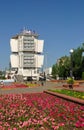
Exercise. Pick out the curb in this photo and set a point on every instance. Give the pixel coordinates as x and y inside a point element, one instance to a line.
<point>69,98</point>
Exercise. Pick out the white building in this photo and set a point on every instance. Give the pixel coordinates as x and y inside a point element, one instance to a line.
<point>26,54</point>
<point>48,71</point>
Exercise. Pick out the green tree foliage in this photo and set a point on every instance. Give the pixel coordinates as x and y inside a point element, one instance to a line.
<point>2,75</point>
<point>82,75</point>
<point>63,65</point>
<point>54,71</point>
<point>78,62</point>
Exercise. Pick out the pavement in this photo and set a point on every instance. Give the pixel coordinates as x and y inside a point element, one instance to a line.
<point>46,85</point>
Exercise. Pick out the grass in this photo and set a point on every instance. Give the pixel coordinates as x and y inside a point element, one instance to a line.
<point>72,93</point>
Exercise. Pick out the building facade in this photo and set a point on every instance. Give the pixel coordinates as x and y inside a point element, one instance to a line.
<point>26,54</point>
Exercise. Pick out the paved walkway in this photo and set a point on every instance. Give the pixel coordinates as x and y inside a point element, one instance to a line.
<point>46,86</point>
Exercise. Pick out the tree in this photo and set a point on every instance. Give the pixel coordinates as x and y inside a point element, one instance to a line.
<point>64,67</point>
<point>54,71</point>
<point>77,62</point>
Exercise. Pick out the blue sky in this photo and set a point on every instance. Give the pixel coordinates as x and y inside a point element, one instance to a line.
<point>59,22</point>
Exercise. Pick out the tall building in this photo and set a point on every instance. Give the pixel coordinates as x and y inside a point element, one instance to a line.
<point>26,54</point>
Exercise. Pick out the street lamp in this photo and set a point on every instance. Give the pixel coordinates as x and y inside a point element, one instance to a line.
<point>45,65</point>
<point>71,68</point>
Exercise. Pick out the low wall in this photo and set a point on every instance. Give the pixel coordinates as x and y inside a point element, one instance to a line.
<point>74,85</point>
<point>69,98</point>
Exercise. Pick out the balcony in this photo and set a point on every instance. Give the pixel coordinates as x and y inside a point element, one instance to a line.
<point>28,48</point>
<point>29,62</point>
<point>29,65</point>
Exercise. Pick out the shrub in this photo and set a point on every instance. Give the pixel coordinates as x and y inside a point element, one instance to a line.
<point>70,80</point>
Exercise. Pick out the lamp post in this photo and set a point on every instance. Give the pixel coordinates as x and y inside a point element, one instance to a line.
<point>45,66</point>
<point>46,63</point>
<point>71,67</point>
<point>70,80</point>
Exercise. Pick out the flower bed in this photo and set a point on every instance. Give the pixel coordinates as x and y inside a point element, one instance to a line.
<point>72,93</point>
<point>39,111</point>
<point>19,85</point>
<point>14,85</point>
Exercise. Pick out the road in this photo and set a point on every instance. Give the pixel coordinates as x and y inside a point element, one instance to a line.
<point>41,88</point>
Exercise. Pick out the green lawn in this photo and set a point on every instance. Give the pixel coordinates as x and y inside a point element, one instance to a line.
<point>70,93</point>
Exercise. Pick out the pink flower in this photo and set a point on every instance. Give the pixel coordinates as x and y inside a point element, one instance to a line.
<point>29,110</point>
<point>1,127</point>
<point>56,127</point>
<point>45,119</point>
<point>78,124</point>
<point>61,124</point>
<point>25,123</point>
<point>14,128</point>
